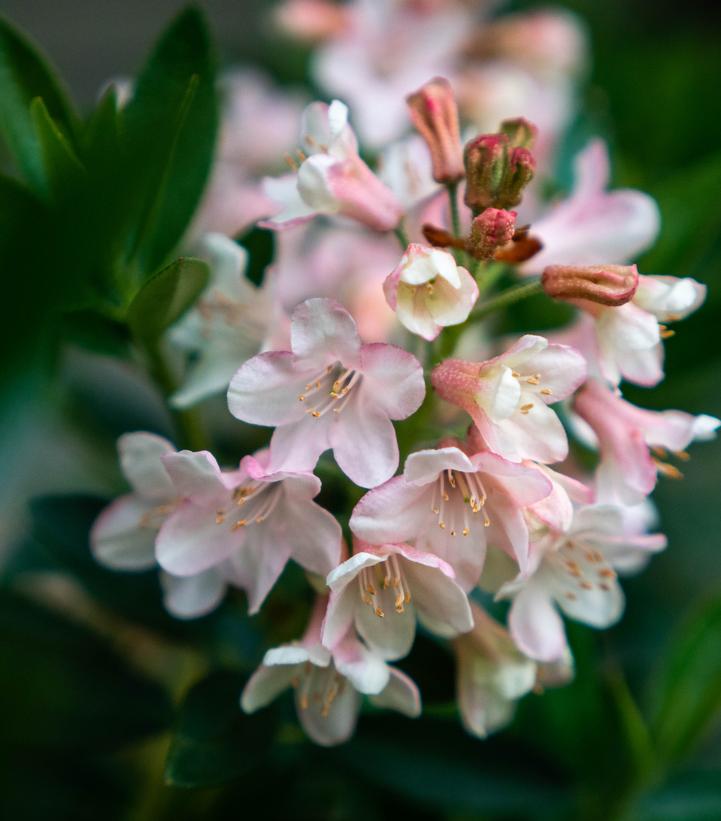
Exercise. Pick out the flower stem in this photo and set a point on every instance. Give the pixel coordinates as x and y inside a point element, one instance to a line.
<point>453,203</point>
<point>506,298</point>
<point>188,425</point>
<point>400,232</point>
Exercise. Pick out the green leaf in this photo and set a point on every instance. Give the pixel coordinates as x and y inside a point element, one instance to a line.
<point>25,75</point>
<point>214,740</point>
<point>166,297</point>
<point>169,129</point>
<point>96,333</point>
<point>62,169</point>
<point>690,796</point>
<point>686,690</point>
<point>67,688</point>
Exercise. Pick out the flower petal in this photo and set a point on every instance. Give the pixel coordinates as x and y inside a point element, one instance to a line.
<point>441,603</point>
<point>140,459</point>
<point>118,538</point>
<point>196,475</point>
<point>190,597</point>
<point>393,512</point>
<point>394,378</point>
<point>535,624</point>
<point>400,694</point>
<point>322,331</point>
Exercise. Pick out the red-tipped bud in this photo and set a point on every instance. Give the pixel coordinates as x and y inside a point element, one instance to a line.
<point>434,113</point>
<point>496,172</point>
<point>520,132</point>
<point>490,231</point>
<point>612,285</point>
<point>485,159</point>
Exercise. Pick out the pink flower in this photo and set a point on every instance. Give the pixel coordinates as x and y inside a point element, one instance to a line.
<point>492,674</point>
<point>429,291</point>
<point>382,589</point>
<point>329,685</point>
<point>123,536</point>
<point>626,436</point>
<point>593,225</point>
<point>331,177</point>
<point>508,396</point>
<point>576,573</point>
<point>626,341</point>
<point>450,504</point>
<point>330,391</point>
<point>229,323</point>
<point>251,521</point>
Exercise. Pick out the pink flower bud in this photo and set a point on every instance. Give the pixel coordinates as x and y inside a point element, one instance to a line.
<point>491,230</point>
<point>457,381</point>
<point>434,113</point>
<point>603,284</point>
<point>520,132</point>
<point>496,171</point>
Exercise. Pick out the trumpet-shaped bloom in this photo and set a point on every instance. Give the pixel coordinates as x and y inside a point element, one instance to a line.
<point>330,391</point>
<point>576,572</point>
<point>634,441</point>
<point>507,397</point>
<point>329,685</point>
<point>428,291</point>
<point>228,324</point>
<point>382,589</point>
<point>492,674</point>
<point>250,521</point>
<point>331,177</point>
<point>451,504</point>
<point>594,225</point>
<point>123,536</point>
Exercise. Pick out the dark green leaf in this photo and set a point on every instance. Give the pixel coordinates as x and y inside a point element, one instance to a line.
<point>214,740</point>
<point>166,297</point>
<point>692,796</point>
<point>67,688</point>
<point>96,333</point>
<point>25,75</point>
<point>62,169</point>
<point>170,127</point>
<point>686,690</point>
<point>260,245</point>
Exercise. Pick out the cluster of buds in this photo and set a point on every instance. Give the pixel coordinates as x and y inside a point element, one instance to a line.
<point>499,166</point>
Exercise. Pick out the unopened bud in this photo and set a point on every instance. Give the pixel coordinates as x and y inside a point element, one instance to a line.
<point>520,132</point>
<point>496,172</point>
<point>485,158</point>
<point>434,113</point>
<point>611,285</point>
<point>490,231</point>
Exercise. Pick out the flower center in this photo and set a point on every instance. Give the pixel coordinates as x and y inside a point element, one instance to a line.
<point>318,686</point>
<point>329,390</point>
<point>252,504</point>
<point>453,487</point>
<point>582,567</point>
<point>384,584</point>
<point>534,380</point>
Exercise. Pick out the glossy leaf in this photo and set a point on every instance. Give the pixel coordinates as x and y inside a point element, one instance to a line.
<point>25,75</point>
<point>214,741</point>
<point>166,297</point>
<point>62,169</point>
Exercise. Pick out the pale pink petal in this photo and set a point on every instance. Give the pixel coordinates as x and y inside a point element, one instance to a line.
<point>449,305</point>
<point>338,725</point>
<point>441,603</point>
<point>364,441</point>
<point>598,607</point>
<point>365,670</point>
<point>425,466</point>
<point>413,312</point>
<point>400,694</point>
<point>535,624</point>
<point>195,475</point>
<point>562,370</point>
<point>312,534</point>
<point>669,298</point>
<point>265,390</point>
<point>140,459</point>
<point>537,435</point>
<point>190,541</point>
<point>323,331</point>
<point>257,563</point>
<point>266,684</point>
<point>394,377</point>
<point>189,597</point>
<point>390,635</point>
<point>120,540</point>
<point>393,512</point>
<point>297,446</point>
<point>291,209</point>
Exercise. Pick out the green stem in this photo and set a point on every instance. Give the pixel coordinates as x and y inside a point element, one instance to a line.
<point>400,232</point>
<point>453,202</point>
<point>187,422</point>
<point>506,298</point>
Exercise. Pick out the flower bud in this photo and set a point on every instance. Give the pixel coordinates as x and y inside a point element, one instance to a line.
<point>520,132</point>
<point>491,230</point>
<point>496,171</point>
<point>434,113</point>
<point>485,158</point>
<point>611,285</point>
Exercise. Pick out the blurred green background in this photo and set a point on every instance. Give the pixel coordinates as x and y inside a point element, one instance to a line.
<point>87,723</point>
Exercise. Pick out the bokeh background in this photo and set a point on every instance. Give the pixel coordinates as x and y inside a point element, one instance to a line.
<point>86,726</point>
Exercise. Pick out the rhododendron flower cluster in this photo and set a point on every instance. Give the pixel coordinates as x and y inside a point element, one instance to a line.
<point>427,471</point>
